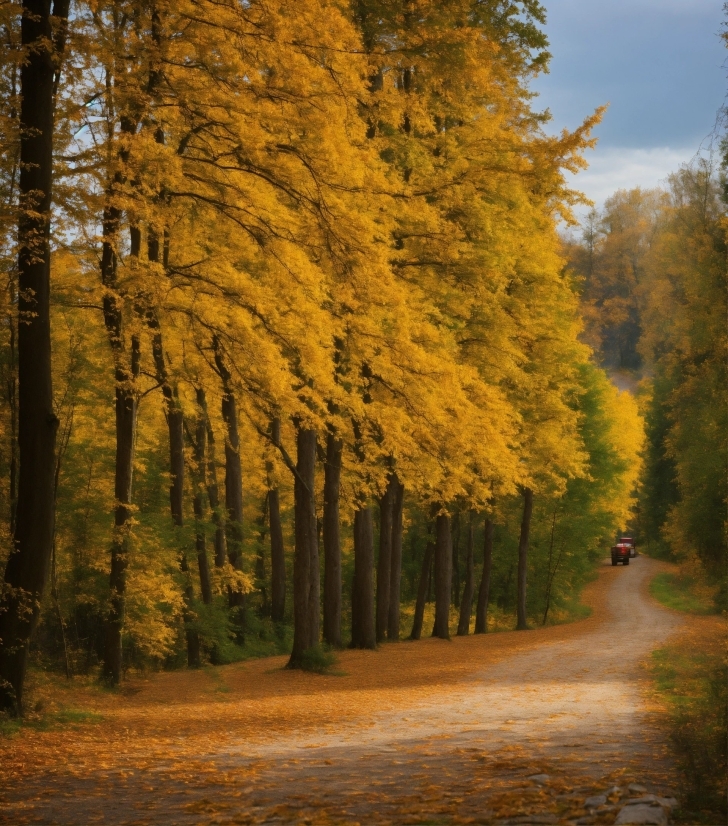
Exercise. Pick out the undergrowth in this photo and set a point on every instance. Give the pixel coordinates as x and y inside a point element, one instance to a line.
<point>40,720</point>
<point>319,659</point>
<point>692,680</point>
<point>683,592</point>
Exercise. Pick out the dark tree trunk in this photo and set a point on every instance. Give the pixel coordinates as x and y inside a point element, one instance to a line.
<point>126,412</point>
<point>396,568</point>
<point>260,572</point>
<point>466,605</point>
<point>304,636</point>
<point>523,558</point>
<point>233,472</point>
<point>277,550</point>
<point>363,632</point>
<point>213,493</point>
<point>200,451</point>
<point>27,566</point>
<point>424,587</point>
<point>443,577</point>
<point>384,563</point>
<point>455,534</point>
<point>481,613</point>
<point>332,542</point>
<point>12,400</point>
<point>277,558</point>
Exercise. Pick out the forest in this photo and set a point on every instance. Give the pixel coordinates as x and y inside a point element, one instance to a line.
<point>302,347</point>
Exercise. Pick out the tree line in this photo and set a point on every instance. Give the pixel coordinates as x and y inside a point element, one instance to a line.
<point>289,274</point>
<point>655,303</point>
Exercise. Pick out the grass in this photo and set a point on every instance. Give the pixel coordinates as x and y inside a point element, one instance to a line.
<point>43,721</point>
<point>691,678</point>
<point>682,592</point>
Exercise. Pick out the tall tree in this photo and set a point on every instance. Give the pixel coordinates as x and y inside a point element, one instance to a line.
<point>27,567</point>
<point>481,612</point>
<point>332,541</point>
<point>443,576</point>
<point>466,604</point>
<point>396,563</point>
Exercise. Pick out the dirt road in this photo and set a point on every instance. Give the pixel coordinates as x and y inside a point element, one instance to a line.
<point>416,732</point>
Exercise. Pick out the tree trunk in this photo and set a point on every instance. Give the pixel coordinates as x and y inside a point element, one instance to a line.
<point>523,558</point>
<point>481,614</point>
<point>126,415</point>
<point>233,472</point>
<point>306,539</point>
<point>277,558</point>
<point>213,493</point>
<point>200,451</point>
<point>363,632</point>
<point>384,563</point>
<point>260,572</point>
<point>27,566</point>
<point>396,567</point>
<point>332,542</point>
<point>443,577</point>
<point>466,605</point>
<point>455,534</point>
<point>126,412</point>
<point>424,587</point>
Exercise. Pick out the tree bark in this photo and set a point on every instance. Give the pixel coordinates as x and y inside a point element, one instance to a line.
<point>27,566</point>
<point>396,567</point>
<point>443,577</point>
<point>424,587</point>
<point>277,549</point>
<point>523,558</point>
<point>455,534</point>
<point>363,632</point>
<point>384,562</point>
<point>278,558</point>
<point>466,606</point>
<point>126,399</point>
<point>481,614</point>
<point>304,636</point>
<point>213,493</point>
<point>233,472</point>
<point>332,542</point>
<point>200,451</point>
<point>126,413</point>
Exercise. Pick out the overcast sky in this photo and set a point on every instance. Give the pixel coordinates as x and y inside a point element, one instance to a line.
<point>659,65</point>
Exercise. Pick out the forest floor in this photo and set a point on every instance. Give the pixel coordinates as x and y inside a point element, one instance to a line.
<point>512,727</point>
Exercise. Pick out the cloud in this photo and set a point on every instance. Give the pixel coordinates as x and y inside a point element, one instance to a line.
<point>616,168</point>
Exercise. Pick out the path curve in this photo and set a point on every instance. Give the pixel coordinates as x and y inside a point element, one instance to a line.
<point>568,702</point>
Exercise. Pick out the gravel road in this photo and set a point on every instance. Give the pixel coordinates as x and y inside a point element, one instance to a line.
<point>567,709</point>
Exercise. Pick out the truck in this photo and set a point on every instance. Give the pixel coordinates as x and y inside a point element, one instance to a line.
<point>627,540</point>
<point>620,553</point>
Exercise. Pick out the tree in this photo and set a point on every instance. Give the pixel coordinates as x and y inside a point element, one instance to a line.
<point>42,39</point>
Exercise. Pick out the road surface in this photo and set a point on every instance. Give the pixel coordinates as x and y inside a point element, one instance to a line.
<point>415,732</point>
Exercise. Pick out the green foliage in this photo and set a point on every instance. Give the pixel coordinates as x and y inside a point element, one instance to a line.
<point>682,593</point>
<point>44,721</point>
<point>319,659</point>
<point>694,684</point>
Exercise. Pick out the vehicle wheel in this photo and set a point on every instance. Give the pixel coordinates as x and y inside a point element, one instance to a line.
<point>626,561</point>
<point>614,562</point>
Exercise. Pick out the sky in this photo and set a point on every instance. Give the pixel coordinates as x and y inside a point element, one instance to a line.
<point>659,64</point>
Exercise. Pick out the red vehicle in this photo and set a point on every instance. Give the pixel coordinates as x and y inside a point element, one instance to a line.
<point>627,540</point>
<point>621,553</point>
